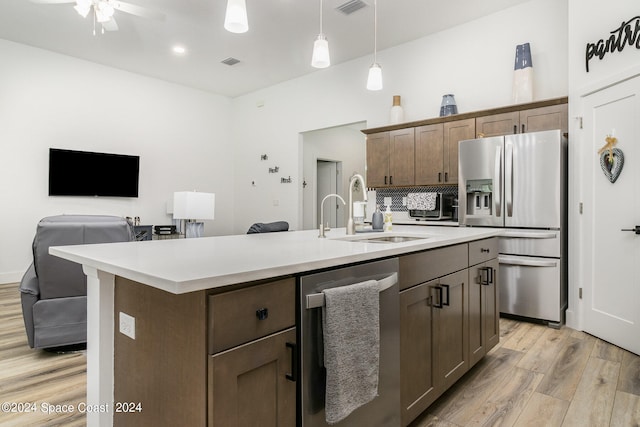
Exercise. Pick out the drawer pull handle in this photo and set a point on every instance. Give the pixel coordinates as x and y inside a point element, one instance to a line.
<point>262,313</point>
<point>483,250</point>
<point>294,368</point>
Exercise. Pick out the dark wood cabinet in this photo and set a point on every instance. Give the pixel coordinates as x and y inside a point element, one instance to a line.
<point>390,158</point>
<point>447,323</point>
<point>484,331</point>
<point>249,384</point>
<point>455,132</point>
<point>417,361</point>
<point>378,160</point>
<point>527,120</point>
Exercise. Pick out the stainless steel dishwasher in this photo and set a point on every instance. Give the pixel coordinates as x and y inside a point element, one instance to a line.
<point>383,410</point>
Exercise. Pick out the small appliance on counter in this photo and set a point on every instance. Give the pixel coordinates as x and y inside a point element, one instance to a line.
<point>430,206</point>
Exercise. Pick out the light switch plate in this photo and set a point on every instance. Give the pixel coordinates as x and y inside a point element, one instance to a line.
<point>127,325</point>
<point>387,201</point>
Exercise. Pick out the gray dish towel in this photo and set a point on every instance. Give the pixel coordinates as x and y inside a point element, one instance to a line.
<point>351,332</point>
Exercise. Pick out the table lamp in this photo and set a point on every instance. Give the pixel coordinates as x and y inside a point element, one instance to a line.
<point>191,206</point>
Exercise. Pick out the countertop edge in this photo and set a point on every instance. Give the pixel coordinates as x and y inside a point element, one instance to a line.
<point>185,286</point>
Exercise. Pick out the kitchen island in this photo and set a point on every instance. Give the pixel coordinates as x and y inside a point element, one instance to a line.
<point>206,266</point>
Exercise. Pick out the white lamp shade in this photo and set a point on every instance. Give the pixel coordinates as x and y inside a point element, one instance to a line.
<point>193,205</point>
<point>235,19</point>
<point>320,57</point>
<point>374,81</point>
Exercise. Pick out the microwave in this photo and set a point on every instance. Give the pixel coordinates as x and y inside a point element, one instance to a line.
<point>442,209</point>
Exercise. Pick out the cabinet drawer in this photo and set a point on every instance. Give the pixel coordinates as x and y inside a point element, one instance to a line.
<point>424,266</point>
<point>240,316</point>
<point>483,250</point>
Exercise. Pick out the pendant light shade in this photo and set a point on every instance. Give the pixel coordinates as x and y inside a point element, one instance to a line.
<point>374,81</point>
<point>320,57</point>
<point>235,20</point>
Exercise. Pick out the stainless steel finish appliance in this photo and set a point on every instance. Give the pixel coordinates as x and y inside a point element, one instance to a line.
<point>519,182</point>
<point>384,410</point>
<point>443,209</point>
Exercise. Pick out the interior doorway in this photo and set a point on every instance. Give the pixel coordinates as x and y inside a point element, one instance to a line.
<point>344,146</point>
<point>329,182</point>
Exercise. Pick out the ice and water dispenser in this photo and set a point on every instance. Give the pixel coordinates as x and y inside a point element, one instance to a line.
<point>479,196</point>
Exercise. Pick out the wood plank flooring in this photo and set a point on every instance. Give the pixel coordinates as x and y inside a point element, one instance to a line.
<point>536,376</point>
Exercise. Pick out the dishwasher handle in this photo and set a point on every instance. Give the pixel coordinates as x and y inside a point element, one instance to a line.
<point>527,262</point>
<point>317,300</point>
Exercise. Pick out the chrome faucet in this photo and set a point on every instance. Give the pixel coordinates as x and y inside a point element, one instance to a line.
<point>351,229</point>
<point>321,227</point>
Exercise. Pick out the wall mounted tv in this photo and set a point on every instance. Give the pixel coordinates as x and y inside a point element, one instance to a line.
<point>83,173</point>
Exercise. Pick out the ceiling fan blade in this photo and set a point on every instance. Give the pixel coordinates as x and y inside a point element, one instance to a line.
<point>52,1</point>
<point>138,10</point>
<point>110,25</point>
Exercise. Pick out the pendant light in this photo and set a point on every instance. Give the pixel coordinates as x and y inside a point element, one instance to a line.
<point>235,20</point>
<point>320,57</point>
<point>374,81</point>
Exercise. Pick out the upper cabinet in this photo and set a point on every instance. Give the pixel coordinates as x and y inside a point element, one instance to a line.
<point>426,152</point>
<point>436,151</point>
<point>529,120</point>
<point>390,158</point>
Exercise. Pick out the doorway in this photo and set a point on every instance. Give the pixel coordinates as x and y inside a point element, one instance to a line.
<point>329,175</point>
<point>343,146</point>
<point>609,258</point>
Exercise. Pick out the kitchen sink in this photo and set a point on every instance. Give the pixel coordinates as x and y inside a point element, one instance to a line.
<point>395,238</point>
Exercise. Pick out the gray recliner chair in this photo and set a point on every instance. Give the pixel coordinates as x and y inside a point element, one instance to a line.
<point>53,290</point>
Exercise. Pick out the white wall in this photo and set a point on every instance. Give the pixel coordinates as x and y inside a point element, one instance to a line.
<point>473,61</point>
<point>48,100</point>
<point>343,143</point>
<point>591,20</point>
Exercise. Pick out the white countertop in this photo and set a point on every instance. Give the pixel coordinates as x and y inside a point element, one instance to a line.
<point>186,265</point>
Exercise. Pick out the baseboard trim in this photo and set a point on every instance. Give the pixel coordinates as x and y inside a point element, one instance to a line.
<point>11,277</point>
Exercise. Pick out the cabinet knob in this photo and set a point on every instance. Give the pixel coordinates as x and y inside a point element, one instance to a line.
<point>262,313</point>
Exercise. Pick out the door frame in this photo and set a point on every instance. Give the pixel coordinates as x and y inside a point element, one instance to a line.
<point>577,227</point>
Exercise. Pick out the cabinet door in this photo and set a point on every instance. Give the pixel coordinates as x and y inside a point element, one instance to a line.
<point>248,385</point>
<point>401,157</point>
<point>545,118</point>
<point>451,329</point>
<point>484,331</point>
<point>378,159</point>
<point>429,154</point>
<point>417,386</point>
<point>455,132</point>
<point>497,124</point>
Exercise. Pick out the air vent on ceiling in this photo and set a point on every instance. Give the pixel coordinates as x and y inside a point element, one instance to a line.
<point>230,61</point>
<point>351,6</point>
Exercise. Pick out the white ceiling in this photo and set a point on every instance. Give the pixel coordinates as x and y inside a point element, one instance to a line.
<point>276,48</point>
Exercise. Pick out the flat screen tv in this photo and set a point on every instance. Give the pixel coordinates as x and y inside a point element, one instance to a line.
<point>83,173</point>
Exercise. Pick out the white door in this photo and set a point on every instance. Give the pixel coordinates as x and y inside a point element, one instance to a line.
<point>611,257</point>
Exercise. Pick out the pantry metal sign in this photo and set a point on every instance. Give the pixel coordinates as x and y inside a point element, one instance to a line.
<point>627,34</point>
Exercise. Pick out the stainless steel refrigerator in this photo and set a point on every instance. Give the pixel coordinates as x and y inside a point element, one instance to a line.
<point>519,182</point>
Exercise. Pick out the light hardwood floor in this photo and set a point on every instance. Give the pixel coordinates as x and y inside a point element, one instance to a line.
<point>536,376</point>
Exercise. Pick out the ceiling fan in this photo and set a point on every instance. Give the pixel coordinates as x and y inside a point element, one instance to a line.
<point>103,11</point>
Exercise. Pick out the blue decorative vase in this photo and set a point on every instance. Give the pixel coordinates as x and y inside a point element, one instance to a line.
<point>448,106</point>
<point>523,75</point>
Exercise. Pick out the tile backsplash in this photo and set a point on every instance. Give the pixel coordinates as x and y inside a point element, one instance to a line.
<point>397,194</point>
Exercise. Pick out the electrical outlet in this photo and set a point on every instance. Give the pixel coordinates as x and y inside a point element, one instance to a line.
<point>387,201</point>
<point>404,201</point>
<point>276,202</point>
<point>127,325</point>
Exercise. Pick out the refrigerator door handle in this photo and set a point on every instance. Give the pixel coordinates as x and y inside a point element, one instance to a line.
<point>508,180</point>
<point>525,235</point>
<point>527,263</point>
<point>497,179</point>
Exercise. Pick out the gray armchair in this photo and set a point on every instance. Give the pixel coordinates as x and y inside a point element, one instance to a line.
<point>53,290</point>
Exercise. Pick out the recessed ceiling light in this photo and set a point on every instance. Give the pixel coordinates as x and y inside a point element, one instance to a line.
<point>179,50</point>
